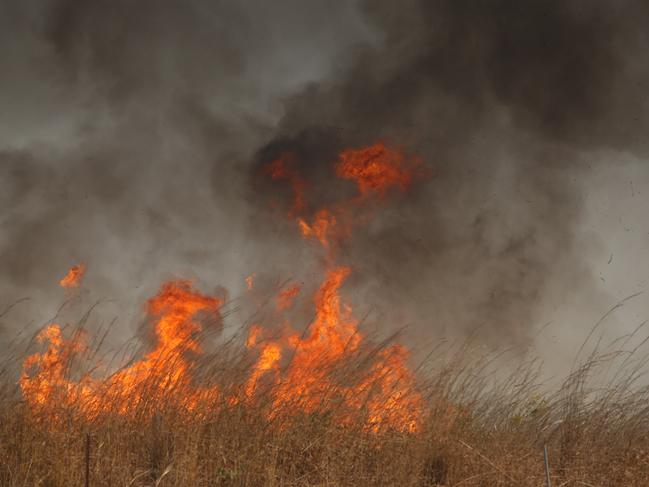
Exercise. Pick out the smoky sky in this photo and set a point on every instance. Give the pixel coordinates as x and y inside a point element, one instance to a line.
<point>132,135</point>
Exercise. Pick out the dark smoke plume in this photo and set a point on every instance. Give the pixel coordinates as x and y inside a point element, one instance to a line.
<point>505,100</point>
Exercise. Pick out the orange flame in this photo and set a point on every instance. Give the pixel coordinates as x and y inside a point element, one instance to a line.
<point>280,170</point>
<point>165,369</point>
<point>250,281</point>
<point>394,402</point>
<point>325,228</point>
<point>294,372</point>
<point>386,393</point>
<point>376,169</point>
<point>286,296</point>
<point>269,358</point>
<point>50,385</point>
<point>73,277</point>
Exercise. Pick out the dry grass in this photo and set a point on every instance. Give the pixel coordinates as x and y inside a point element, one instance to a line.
<point>481,429</point>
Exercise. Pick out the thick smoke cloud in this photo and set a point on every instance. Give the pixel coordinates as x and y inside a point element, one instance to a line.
<point>125,134</point>
<point>506,101</point>
<point>132,135</point>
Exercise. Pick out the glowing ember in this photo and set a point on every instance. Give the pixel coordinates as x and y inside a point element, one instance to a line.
<point>73,277</point>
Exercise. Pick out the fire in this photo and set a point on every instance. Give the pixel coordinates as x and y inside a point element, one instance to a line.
<point>324,227</point>
<point>280,170</point>
<point>285,298</point>
<point>250,281</point>
<point>50,385</point>
<point>73,277</point>
<point>386,392</point>
<point>394,402</point>
<point>254,334</point>
<point>334,329</point>
<point>45,379</point>
<point>376,169</point>
<point>269,358</point>
<point>325,365</point>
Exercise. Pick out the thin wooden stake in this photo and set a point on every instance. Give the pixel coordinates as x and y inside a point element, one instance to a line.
<point>87,459</point>
<point>547,466</point>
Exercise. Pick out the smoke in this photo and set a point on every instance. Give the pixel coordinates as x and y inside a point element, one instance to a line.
<point>132,136</point>
<point>506,101</point>
<point>125,134</point>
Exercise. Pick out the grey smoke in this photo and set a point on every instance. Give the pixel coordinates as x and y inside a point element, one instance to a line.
<point>131,134</point>
<point>507,101</point>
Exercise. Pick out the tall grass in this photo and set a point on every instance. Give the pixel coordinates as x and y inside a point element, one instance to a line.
<point>481,427</point>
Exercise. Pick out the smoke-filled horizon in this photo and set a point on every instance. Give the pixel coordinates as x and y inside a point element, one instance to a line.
<point>132,136</point>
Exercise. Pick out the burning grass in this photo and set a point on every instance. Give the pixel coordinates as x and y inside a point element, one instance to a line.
<point>317,403</point>
<point>475,425</point>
